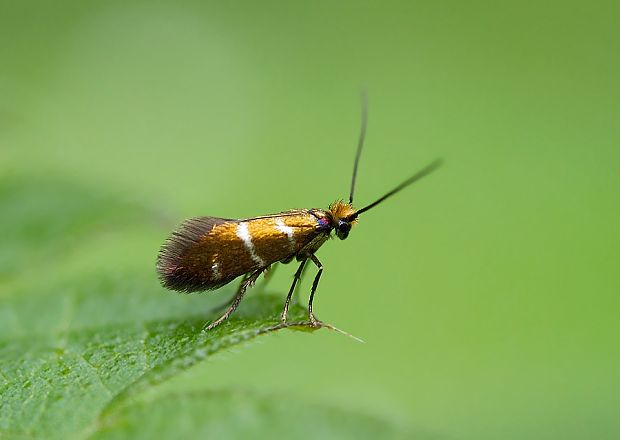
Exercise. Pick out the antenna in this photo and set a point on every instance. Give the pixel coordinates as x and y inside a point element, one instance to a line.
<point>417,176</point>
<point>360,142</point>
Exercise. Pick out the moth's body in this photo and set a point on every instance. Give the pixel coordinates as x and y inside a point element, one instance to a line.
<point>209,252</point>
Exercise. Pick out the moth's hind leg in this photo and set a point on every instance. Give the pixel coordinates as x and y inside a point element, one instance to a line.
<point>268,271</point>
<point>268,274</point>
<point>247,282</point>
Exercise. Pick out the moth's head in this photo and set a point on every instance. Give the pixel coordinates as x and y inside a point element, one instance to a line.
<point>343,217</point>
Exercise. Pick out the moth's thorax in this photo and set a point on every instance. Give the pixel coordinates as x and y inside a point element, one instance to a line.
<point>323,219</point>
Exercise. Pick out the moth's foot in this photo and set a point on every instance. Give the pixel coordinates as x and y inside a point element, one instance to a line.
<point>314,322</point>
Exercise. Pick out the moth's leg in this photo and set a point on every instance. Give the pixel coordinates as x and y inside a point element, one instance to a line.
<point>295,298</point>
<point>225,304</point>
<point>228,302</point>
<point>296,278</point>
<point>268,271</point>
<point>315,322</point>
<point>247,282</point>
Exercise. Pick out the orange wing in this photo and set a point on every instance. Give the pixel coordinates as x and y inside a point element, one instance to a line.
<point>207,252</point>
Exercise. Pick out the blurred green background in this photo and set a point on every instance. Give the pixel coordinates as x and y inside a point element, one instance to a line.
<point>487,294</point>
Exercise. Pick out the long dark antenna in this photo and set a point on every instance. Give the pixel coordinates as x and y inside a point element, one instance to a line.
<point>360,143</point>
<point>417,176</point>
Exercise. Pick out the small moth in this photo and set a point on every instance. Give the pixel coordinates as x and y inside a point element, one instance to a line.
<point>206,253</point>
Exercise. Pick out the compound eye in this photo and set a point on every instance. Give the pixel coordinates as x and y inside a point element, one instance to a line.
<point>342,230</point>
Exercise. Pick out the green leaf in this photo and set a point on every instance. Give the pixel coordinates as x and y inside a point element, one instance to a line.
<point>236,414</point>
<point>87,334</point>
<point>60,384</point>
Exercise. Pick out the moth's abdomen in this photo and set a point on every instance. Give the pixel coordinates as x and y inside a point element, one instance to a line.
<point>206,252</point>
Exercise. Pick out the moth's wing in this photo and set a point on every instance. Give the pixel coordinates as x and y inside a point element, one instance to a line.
<point>281,236</point>
<point>207,252</point>
<point>184,261</point>
<point>289,213</point>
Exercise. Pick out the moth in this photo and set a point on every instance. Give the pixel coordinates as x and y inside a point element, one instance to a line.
<point>206,253</point>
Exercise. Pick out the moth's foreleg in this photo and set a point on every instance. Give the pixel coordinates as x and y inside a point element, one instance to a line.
<point>315,322</point>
